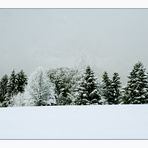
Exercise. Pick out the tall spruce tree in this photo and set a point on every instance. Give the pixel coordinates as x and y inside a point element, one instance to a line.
<point>12,83</point>
<point>11,89</point>
<point>136,91</point>
<point>88,89</point>
<point>107,91</point>
<point>21,81</point>
<point>116,86</point>
<point>111,89</point>
<point>3,89</point>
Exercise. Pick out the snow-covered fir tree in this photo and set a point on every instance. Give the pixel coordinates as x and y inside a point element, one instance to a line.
<point>116,86</point>
<point>12,83</point>
<point>106,93</point>
<point>3,90</point>
<point>110,93</point>
<point>64,80</point>
<point>40,89</point>
<point>136,91</point>
<point>21,81</point>
<point>11,89</point>
<point>16,84</point>
<point>87,91</point>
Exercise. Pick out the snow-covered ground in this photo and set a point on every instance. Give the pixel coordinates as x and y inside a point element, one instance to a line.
<point>75,122</point>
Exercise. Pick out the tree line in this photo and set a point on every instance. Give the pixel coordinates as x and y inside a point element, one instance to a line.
<point>65,86</point>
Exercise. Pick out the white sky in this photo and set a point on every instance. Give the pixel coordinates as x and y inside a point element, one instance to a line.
<point>109,39</point>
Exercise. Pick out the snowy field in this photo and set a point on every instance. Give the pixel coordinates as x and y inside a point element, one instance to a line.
<point>75,122</point>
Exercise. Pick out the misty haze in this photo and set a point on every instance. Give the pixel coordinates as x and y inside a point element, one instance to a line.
<point>110,40</point>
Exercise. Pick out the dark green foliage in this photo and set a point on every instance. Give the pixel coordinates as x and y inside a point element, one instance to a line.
<point>136,91</point>
<point>111,89</point>
<point>107,92</point>
<point>11,89</point>
<point>3,89</point>
<point>63,79</point>
<point>116,86</point>
<point>12,85</point>
<point>21,81</point>
<point>88,89</point>
<point>16,83</point>
<point>64,100</point>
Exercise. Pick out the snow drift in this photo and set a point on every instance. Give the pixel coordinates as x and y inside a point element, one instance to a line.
<point>75,122</point>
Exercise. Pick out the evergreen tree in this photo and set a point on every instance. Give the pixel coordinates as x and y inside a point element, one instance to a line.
<point>116,86</point>
<point>136,91</point>
<point>12,83</point>
<point>21,82</point>
<point>63,78</point>
<point>107,91</point>
<point>3,89</point>
<point>111,89</point>
<point>88,89</point>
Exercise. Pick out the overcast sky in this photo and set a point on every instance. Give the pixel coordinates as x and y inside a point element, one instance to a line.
<point>109,39</point>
